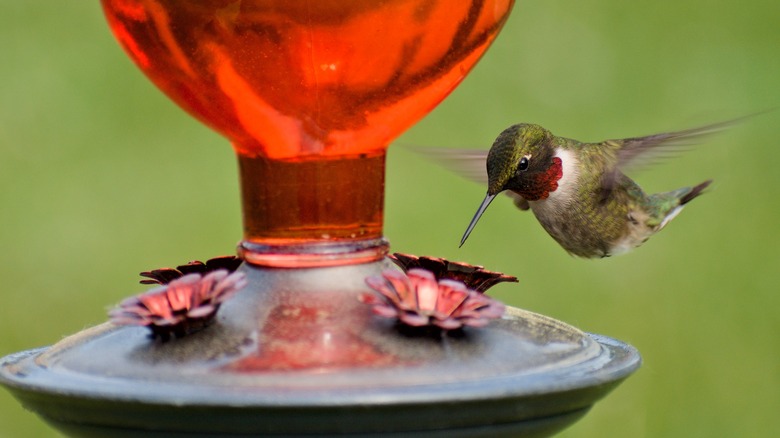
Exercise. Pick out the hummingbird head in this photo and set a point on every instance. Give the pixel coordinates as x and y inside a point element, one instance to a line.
<point>522,159</point>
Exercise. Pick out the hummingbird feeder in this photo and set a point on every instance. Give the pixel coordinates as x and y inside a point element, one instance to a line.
<point>282,345</point>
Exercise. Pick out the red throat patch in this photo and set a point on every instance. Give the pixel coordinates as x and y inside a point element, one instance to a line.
<point>545,182</point>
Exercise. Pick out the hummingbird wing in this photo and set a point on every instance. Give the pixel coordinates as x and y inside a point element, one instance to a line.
<point>638,151</point>
<point>470,164</point>
<point>632,153</point>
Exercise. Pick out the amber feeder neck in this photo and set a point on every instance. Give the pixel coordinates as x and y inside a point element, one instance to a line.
<point>318,211</point>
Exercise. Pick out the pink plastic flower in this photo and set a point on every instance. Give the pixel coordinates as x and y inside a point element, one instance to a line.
<point>417,299</point>
<point>183,306</point>
<point>473,276</point>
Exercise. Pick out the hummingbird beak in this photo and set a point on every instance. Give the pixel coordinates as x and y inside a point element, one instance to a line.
<point>485,202</point>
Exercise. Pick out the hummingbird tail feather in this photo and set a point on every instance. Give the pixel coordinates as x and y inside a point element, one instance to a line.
<point>696,191</point>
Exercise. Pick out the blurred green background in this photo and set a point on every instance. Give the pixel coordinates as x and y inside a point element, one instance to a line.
<point>102,177</point>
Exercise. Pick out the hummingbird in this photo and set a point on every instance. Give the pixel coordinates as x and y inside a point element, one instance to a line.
<point>577,190</point>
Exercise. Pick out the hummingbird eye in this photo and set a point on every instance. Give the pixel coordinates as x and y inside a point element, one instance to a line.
<point>523,164</point>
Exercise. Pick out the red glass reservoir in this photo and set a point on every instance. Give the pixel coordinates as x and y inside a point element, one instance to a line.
<point>310,93</point>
